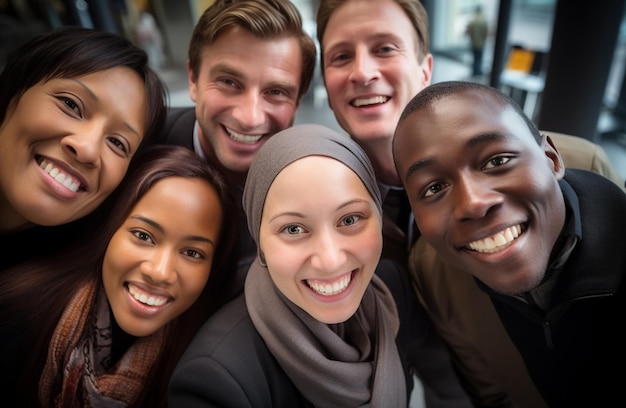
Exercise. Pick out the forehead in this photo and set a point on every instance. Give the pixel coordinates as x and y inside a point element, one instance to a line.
<point>357,20</point>
<point>467,112</point>
<point>315,179</point>
<point>234,44</point>
<point>196,196</point>
<point>460,126</point>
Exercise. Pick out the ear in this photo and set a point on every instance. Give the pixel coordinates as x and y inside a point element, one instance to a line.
<point>426,68</point>
<point>554,158</point>
<point>191,81</point>
<point>262,260</point>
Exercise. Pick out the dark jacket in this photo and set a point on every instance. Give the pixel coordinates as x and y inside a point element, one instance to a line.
<point>178,128</point>
<point>229,365</point>
<point>575,351</point>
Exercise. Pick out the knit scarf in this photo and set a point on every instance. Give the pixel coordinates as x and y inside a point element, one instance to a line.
<point>79,371</point>
<point>351,364</point>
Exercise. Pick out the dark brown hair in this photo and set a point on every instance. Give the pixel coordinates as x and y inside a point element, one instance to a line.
<point>68,52</point>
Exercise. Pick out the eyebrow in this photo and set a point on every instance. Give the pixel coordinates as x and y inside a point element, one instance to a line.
<point>94,96</point>
<point>160,228</point>
<point>297,214</point>
<point>474,142</point>
<point>223,68</point>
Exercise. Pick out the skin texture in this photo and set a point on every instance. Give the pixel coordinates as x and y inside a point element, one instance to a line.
<point>163,250</point>
<point>89,127</point>
<point>472,169</point>
<point>250,94</point>
<point>313,231</point>
<point>370,51</point>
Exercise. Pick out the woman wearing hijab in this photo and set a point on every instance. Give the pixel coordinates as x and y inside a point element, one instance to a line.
<point>319,322</point>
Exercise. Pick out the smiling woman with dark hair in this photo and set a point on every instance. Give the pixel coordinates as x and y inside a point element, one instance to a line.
<point>75,107</point>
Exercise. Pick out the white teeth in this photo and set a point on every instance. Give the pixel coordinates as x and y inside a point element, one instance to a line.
<point>247,139</point>
<point>144,298</point>
<point>65,179</point>
<point>497,241</point>
<point>327,289</point>
<point>374,100</point>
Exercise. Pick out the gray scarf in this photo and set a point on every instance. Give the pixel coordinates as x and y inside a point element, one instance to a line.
<point>351,364</point>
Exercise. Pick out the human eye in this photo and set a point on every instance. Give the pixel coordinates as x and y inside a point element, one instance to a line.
<point>70,104</point>
<point>385,49</point>
<point>228,82</point>
<point>143,236</point>
<point>350,220</point>
<point>193,253</point>
<point>433,189</point>
<point>292,229</point>
<point>119,144</point>
<point>339,58</point>
<point>496,161</point>
<point>277,92</point>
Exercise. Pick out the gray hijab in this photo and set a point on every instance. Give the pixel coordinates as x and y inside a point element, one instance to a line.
<point>351,364</point>
<point>292,144</point>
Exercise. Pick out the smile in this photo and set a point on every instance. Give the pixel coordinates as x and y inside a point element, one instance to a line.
<point>374,100</point>
<point>64,179</point>
<point>145,298</point>
<point>330,288</point>
<point>241,138</point>
<point>497,242</point>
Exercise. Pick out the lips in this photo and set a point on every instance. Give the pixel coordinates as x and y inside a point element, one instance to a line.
<point>372,100</point>
<point>63,177</point>
<point>146,298</point>
<point>333,288</point>
<point>498,241</point>
<point>241,138</point>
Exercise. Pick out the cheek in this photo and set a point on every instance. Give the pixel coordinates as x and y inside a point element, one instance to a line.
<point>333,81</point>
<point>193,283</point>
<point>113,173</point>
<point>283,262</point>
<point>430,224</point>
<point>117,257</point>
<point>283,115</point>
<point>367,246</point>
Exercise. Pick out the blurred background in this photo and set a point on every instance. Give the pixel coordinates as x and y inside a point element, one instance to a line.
<point>562,60</point>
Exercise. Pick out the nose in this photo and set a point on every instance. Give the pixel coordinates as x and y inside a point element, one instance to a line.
<point>160,266</point>
<point>328,251</point>
<point>249,111</point>
<point>364,68</point>
<point>474,198</point>
<point>85,146</point>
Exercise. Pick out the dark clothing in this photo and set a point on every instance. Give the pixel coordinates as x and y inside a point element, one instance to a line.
<point>399,229</point>
<point>477,61</point>
<point>178,130</point>
<point>228,364</point>
<point>575,350</point>
<point>19,247</point>
<point>399,234</point>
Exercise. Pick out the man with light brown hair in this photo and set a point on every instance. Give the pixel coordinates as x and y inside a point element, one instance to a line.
<point>249,65</point>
